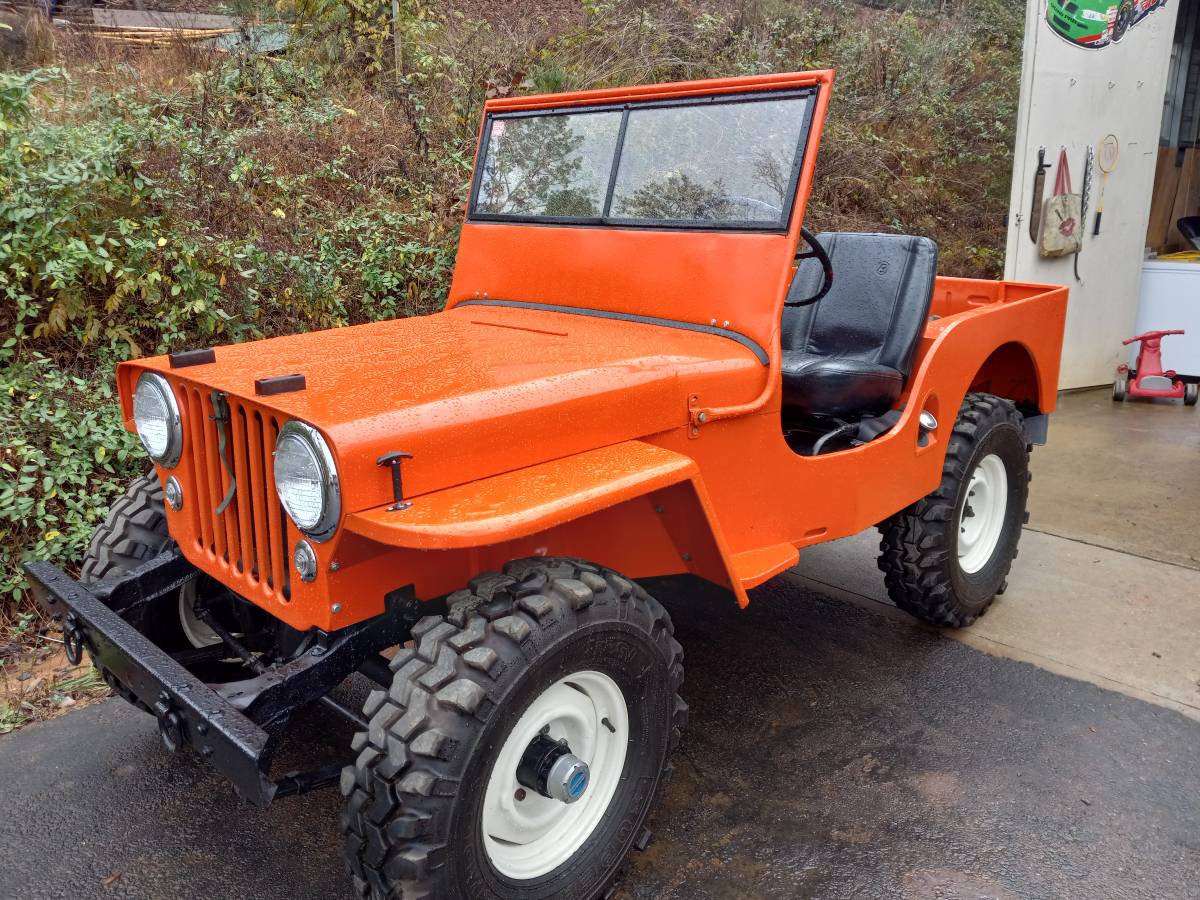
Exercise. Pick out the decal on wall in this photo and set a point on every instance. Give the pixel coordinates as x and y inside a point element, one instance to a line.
<point>1097,23</point>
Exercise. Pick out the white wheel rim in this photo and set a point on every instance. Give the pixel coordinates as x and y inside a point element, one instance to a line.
<point>528,837</point>
<point>199,635</point>
<point>982,518</point>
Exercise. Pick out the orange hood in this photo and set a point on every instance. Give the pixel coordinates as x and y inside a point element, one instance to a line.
<point>476,390</point>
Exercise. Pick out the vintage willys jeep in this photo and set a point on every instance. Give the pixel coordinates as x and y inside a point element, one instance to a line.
<point>635,375</point>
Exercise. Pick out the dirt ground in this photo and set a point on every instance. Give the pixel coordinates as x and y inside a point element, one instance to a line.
<point>37,681</point>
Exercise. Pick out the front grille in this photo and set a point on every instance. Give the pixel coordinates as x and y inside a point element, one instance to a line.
<point>248,540</point>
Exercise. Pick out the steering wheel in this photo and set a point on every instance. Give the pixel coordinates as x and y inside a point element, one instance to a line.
<point>817,252</point>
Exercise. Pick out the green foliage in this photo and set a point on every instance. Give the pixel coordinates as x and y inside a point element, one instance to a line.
<point>83,247</point>
<point>65,457</point>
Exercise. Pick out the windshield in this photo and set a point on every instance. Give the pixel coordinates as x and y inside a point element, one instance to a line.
<point>712,163</point>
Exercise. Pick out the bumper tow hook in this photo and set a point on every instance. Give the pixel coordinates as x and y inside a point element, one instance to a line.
<point>73,640</point>
<point>170,725</point>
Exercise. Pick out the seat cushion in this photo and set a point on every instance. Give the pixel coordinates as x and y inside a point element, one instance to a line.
<point>838,386</point>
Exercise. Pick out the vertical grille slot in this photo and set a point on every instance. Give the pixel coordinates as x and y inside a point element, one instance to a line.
<point>258,478</point>
<point>195,419</point>
<point>215,477</point>
<point>279,563</point>
<point>245,489</point>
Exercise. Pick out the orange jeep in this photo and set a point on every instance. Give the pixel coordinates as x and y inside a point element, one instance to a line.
<point>636,375</point>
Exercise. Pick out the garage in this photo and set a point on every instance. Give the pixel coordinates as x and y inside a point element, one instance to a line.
<point>1108,116</point>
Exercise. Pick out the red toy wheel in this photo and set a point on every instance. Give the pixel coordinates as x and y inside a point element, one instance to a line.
<point>1190,394</point>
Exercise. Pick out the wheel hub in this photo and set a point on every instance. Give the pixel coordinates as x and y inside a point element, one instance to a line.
<point>550,768</point>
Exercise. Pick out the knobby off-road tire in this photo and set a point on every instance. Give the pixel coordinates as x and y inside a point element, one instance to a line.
<point>134,531</point>
<point>415,796</point>
<point>922,550</point>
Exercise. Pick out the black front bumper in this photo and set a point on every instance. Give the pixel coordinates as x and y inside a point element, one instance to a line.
<point>188,710</point>
<point>234,725</point>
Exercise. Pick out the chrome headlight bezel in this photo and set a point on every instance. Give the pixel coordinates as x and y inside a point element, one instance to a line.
<point>169,458</point>
<point>331,495</point>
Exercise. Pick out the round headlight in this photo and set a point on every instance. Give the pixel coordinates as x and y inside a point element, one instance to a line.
<point>306,480</point>
<point>156,417</point>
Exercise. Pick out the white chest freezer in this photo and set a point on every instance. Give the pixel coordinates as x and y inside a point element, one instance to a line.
<point>1170,298</point>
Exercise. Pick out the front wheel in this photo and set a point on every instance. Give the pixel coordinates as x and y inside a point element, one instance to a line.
<point>946,557</point>
<point>522,741</point>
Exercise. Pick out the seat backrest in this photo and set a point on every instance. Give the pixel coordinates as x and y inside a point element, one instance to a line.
<point>879,302</point>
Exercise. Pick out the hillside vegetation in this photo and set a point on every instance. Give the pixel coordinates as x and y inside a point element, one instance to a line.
<point>162,199</point>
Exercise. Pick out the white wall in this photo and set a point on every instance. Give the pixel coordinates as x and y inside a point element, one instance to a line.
<point>1073,96</point>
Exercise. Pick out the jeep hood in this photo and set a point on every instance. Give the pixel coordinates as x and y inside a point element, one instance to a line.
<point>477,390</point>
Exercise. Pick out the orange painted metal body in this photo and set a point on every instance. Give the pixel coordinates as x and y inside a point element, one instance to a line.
<point>547,432</point>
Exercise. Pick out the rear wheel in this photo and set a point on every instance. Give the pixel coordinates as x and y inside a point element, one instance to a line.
<point>1120,388</point>
<point>1190,394</point>
<point>522,742</point>
<point>946,557</point>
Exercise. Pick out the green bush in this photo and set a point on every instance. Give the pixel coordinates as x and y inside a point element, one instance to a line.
<point>65,456</point>
<point>85,250</point>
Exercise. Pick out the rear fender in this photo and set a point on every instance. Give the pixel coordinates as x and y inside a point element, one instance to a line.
<point>1011,372</point>
<point>637,508</point>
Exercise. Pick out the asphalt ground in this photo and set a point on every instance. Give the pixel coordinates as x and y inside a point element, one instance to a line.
<point>832,752</point>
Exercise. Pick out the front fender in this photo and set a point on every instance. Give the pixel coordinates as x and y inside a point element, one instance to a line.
<point>633,506</point>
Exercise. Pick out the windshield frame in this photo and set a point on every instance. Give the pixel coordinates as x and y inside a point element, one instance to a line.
<point>775,227</point>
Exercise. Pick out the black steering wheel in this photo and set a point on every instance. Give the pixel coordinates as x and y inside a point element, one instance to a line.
<point>817,252</point>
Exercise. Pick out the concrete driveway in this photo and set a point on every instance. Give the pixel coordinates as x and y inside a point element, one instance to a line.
<point>836,749</point>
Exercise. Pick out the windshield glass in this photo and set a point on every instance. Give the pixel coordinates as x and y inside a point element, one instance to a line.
<point>711,163</point>
<point>548,165</point>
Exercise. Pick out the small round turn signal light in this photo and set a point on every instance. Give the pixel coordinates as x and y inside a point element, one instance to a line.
<point>173,492</point>
<point>304,558</point>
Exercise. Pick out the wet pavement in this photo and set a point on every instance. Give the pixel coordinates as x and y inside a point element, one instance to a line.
<point>833,752</point>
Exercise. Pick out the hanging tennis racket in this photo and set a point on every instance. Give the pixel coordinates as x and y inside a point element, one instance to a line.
<point>1106,160</point>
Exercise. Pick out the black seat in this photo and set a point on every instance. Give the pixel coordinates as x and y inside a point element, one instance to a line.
<point>848,355</point>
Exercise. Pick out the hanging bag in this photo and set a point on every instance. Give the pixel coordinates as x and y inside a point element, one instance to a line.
<point>1061,230</point>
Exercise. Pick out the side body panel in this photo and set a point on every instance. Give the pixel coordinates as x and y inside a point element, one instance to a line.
<point>731,501</point>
